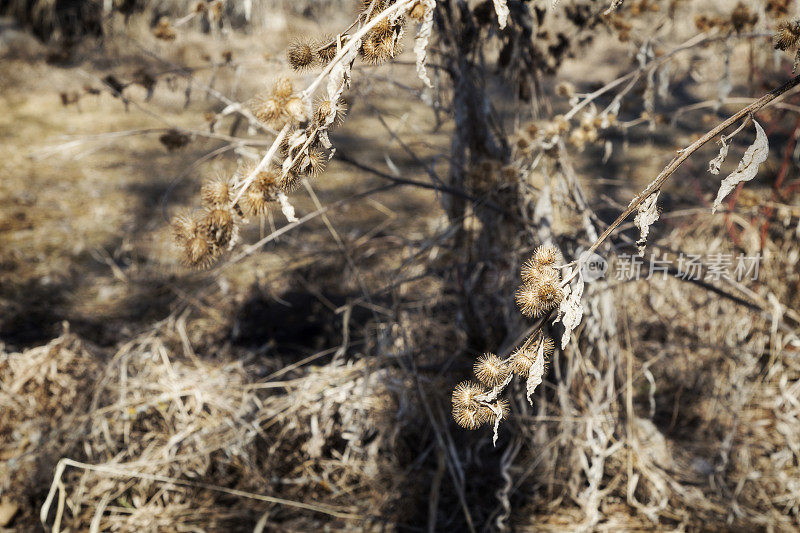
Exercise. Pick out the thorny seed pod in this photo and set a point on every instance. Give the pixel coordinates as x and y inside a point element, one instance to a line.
<point>545,255</point>
<point>184,227</point>
<point>490,370</point>
<point>372,7</point>
<point>313,163</point>
<point>197,250</point>
<point>269,109</point>
<point>254,202</point>
<point>467,411</point>
<point>325,108</point>
<point>787,34</point>
<point>216,192</point>
<point>527,297</point>
<point>548,288</point>
<point>326,50</point>
<point>301,55</point>
<point>218,225</point>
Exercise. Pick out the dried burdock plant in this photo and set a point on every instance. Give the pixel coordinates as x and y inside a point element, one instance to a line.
<point>302,147</point>
<point>539,293</point>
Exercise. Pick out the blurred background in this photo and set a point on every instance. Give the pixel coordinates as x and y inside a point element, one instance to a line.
<point>303,382</point>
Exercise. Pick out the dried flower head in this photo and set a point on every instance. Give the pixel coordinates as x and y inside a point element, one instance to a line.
<point>490,370</point>
<point>326,108</point>
<point>787,35</point>
<point>301,55</point>
<point>467,410</point>
<point>218,226</point>
<point>268,109</point>
<point>197,250</point>
<point>527,297</point>
<point>283,88</point>
<point>326,50</point>
<point>216,192</point>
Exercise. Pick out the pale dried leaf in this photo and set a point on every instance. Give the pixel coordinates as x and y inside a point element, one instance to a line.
<point>615,4</point>
<point>421,41</point>
<point>535,374</point>
<point>501,8</point>
<point>571,309</point>
<point>646,215</point>
<point>286,208</point>
<point>748,167</point>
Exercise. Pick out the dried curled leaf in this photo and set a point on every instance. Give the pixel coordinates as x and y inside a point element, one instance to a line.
<point>646,216</point>
<point>615,4</point>
<point>570,311</point>
<point>421,41</point>
<point>536,372</point>
<point>501,8</point>
<point>715,164</point>
<point>756,154</point>
<point>286,208</point>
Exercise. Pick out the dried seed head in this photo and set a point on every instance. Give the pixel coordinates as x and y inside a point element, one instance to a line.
<point>467,411</point>
<point>295,109</point>
<point>372,7</point>
<point>527,297</point>
<point>548,288</point>
<point>200,7</point>
<point>218,226</point>
<point>301,55</point>
<point>325,108</point>
<point>787,35</point>
<point>268,109</point>
<point>326,51</point>
<point>254,202</point>
<point>490,370</point>
<point>313,163</point>
<point>546,255</point>
<point>199,252</point>
<point>466,394</point>
<point>283,88</point>
<point>216,192</point>
<point>184,227</point>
